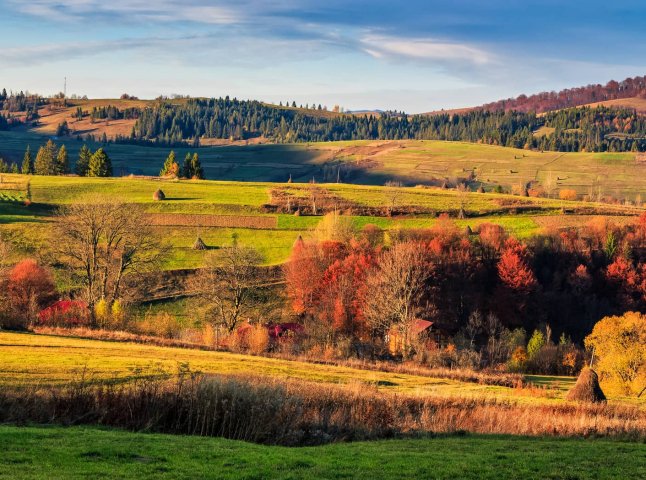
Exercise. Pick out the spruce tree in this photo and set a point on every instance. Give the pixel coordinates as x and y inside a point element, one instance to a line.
<point>62,161</point>
<point>196,168</point>
<point>27,162</point>
<point>83,163</point>
<point>171,167</point>
<point>187,170</point>
<point>45,163</point>
<point>100,164</point>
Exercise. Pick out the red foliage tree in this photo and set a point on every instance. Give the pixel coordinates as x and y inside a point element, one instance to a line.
<point>513,269</point>
<point>30,287</point>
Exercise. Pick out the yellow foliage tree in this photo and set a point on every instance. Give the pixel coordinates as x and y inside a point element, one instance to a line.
<point>619,345</point>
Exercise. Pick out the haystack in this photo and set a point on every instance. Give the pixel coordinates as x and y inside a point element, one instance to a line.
<point>159,195</point>
<point>199,244</point>
<point>587,388</point>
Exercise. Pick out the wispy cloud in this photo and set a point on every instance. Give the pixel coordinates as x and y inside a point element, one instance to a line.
<point>136,10</point>
<point>424,49</point>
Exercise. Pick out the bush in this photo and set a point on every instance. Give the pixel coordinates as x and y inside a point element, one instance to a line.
<point>567,194</point>
<point>160,324</point>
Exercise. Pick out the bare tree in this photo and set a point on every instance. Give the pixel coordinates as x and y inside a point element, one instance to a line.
<point>396,287</point>
<point>393,194</point>
<point>101,241</point>
<point>229,285</point>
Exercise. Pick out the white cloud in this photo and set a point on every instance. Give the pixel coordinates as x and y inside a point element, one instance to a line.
<point>379,46</point>
<point>157,10</point>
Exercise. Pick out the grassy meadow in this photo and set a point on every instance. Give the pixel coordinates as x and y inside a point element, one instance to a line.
<point>84,452</point>
<point>374,163</point>
<point>30,360</point>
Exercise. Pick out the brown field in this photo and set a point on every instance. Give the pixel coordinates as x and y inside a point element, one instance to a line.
<point>637,103</point>
<point>225,221</point>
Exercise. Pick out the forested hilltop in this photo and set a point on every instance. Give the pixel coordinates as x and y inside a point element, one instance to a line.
<point>190,121</point>
<point>577,129</point>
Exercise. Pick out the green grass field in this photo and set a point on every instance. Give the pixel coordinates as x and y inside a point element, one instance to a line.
<point>376,162</point>
<point>85,452</point>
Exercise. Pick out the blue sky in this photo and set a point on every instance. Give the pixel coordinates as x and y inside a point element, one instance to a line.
<point>414,55</point>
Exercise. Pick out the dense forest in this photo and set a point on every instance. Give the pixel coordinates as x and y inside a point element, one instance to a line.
<point>577,129</point>
<point>571,97</point>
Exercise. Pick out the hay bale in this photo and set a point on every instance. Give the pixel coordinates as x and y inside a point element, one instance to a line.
<point>199,244</point>
<point>159,195</point>
<point>587,388</point>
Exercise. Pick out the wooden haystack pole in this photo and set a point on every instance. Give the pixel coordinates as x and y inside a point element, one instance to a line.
<point>587,388</point>
<point>199,244</point>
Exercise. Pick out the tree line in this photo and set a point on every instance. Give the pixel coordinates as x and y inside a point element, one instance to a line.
<point>579,129</point>
<point>53,160</point>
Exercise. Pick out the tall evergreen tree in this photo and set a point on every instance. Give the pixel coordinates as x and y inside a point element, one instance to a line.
<point>45,163</point>
<point>171,167</point>
<point>62,161</point>
<point>196,167</point>
<point>28,162</point>
<point>83,163</point>
<point>100,164</point>
<point>187,169</point>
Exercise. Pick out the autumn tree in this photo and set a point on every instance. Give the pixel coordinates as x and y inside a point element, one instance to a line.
<point>513,269</point>
<point>619,345</point>
<point>30,287</point>
<point>101,241</point>
<point>170,167</point>
<point>395,289</point>
<point>229,285</point>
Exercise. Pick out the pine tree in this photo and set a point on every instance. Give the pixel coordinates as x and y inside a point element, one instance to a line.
<point>14,168</point>
<point>45,163</point>
<point>100,164</point>
<point>187,171</point>
<point>83,163</point>
<point>27,162</point>
<point>171,167</point>
<point>62,161</point>
<point>196,168</point>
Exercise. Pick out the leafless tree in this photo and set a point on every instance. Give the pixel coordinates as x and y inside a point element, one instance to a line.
<point>101,241</point>
<point>393,194</point>
<point>229,285</point>
<point>395,288</point>
<point>474,326</point>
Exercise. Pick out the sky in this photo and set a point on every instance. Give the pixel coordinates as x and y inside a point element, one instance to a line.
<point>413,55</point>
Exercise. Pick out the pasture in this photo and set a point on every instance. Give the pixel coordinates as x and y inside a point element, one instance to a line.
<point>90,452</point>
<point>411,162</point>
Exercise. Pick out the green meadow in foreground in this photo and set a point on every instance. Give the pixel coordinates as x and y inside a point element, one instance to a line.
<point>86,452</point>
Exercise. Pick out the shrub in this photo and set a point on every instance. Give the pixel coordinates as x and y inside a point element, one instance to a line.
<point>160,324</point>
<point>567,194</point>
<point>535,344</point>
<point>65,313</point>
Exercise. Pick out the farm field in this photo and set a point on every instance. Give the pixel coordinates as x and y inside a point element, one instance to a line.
<point>216,210</point>
<point>82,452</point>
<point>29,360</point>
<point>375,163</point>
